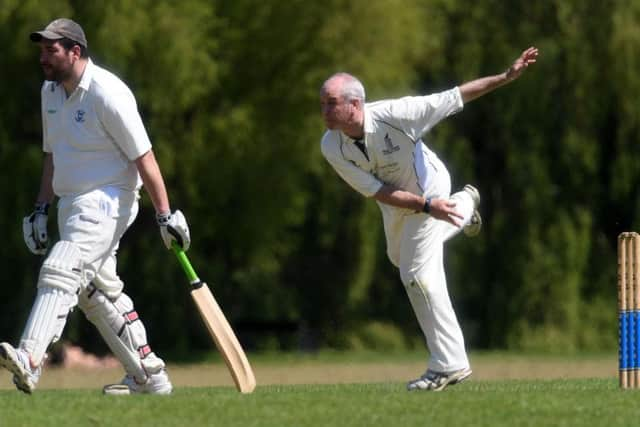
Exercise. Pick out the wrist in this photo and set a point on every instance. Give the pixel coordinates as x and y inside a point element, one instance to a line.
<point>41,208</point>
<point>508,75</point>
<point>426,208</point>
<point>162,218</point>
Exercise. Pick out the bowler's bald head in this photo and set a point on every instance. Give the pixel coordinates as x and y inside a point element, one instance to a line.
<point>347,85</point>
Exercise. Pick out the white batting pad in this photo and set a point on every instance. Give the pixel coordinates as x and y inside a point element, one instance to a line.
<point>46,321</point>
<point>123,331</point>
<point>63,268</point>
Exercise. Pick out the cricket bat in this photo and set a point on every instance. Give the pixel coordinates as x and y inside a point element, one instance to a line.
<point>218,327</point>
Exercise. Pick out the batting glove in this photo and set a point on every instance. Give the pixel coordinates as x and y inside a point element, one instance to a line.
<point>174,228</point>
<point>34,228</point>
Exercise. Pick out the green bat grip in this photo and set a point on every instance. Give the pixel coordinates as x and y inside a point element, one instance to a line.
<point>184,262</point>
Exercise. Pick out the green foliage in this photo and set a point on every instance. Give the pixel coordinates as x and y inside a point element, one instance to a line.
<point>377,336</point>
<point>228,90</point>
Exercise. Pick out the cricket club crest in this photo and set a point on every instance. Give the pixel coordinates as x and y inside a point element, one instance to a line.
<point>390,148</point>
<point>79,117</point>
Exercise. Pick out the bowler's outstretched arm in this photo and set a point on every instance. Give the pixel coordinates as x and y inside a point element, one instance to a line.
<point>476,88</point>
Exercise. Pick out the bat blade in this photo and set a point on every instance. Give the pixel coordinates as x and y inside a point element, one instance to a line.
<point>225,339</point>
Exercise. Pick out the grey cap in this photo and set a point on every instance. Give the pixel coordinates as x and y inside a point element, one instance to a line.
<point>61,28</point>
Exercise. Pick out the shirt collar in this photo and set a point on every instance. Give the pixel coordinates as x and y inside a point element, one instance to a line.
<point>87,76</point>
<point>368,121</point>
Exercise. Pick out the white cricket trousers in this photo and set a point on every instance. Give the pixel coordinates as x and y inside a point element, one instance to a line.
<point>422,272</point>
<point>95,222</point>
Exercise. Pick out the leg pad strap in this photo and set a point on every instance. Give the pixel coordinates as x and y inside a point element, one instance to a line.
<point>123,331</point>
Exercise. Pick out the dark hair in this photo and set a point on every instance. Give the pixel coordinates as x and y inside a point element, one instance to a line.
<point>68,44</point>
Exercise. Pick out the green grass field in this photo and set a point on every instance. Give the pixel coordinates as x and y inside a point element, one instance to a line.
<point>343,390</point>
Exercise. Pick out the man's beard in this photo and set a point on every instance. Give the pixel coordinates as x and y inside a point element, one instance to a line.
<point>56,74</point>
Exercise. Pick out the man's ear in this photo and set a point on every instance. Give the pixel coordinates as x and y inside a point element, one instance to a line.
<point>76,51</point>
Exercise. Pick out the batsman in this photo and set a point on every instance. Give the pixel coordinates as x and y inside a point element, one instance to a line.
<point>97,155</point>
<point>378,149</point>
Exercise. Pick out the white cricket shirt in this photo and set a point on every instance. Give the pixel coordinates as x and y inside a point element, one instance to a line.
<point>392,151</point>
<point>94,135</point>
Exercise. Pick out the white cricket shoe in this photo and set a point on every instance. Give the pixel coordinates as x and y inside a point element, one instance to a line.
<point>17,361</point>
<point>437,381</point>
<point>475,224</point>
<point>156,384</point>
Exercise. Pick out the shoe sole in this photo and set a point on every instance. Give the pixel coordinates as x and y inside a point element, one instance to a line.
<point>474,193</point>
<point>473,228</point>
<point>475,225</point>
<point>116,390</point>
<point>124,390</point>
<point>456,378</point>
<point>18,372</point>
<point>462,377</point>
